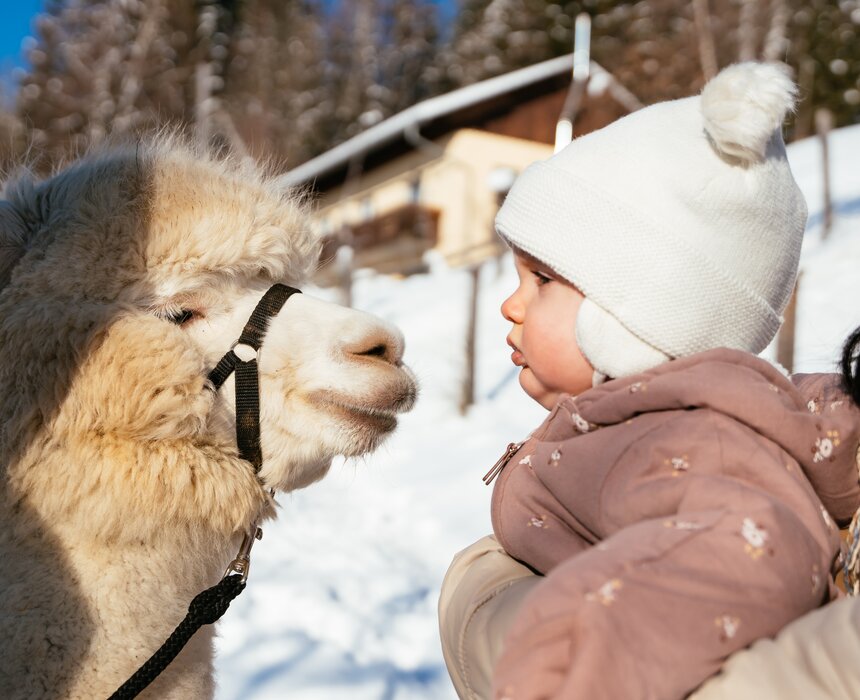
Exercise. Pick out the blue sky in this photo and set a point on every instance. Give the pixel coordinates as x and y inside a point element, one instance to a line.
<point>15,23</point>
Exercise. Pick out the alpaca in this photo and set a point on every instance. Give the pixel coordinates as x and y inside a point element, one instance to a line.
<point>123,279</point>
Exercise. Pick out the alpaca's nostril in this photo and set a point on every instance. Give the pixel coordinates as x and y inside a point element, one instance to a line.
<point>377,346</point>
<point>373,350</point>
<point>378,350</point>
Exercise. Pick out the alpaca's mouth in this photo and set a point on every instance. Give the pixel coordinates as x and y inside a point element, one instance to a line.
<point>377,418</point>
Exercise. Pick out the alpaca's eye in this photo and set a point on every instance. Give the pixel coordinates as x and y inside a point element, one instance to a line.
<point>181,317</point>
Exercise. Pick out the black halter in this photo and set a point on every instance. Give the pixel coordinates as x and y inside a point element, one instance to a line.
<point>245,365</point>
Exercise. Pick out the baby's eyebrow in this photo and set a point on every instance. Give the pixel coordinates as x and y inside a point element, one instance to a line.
<point>538,266</point>
<point>530,260</point>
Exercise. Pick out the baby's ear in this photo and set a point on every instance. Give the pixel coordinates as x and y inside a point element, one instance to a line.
<point>14,234</point>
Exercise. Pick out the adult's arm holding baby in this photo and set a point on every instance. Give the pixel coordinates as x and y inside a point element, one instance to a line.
<point>814,658</point>
<point>480,597</point>
<point>817,657</point>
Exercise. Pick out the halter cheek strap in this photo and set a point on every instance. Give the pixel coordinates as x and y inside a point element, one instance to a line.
<point>242,359</point>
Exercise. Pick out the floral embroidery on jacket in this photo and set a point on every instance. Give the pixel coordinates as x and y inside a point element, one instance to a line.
<point>538,521</point>
<point>824,446</point>
<point>816,578</point>
<point>580,423</point>
<point>812,406</point>
<point>605,595</point>
<point>679,464</point>
<point>637,386</point>
<point>527,460</point>
<point>555,457</point>
<point>756,538</point>
<point>728,626</point>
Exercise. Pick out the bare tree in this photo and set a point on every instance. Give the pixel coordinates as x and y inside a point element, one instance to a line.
<point>276,95</point>
<point>776,39</point>
<point>748,30</point>
<point>707,50</point>
<point>116,66</point>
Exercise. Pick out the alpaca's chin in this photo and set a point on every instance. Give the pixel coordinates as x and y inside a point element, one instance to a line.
<point>286,477</point>
<point>341,430</point>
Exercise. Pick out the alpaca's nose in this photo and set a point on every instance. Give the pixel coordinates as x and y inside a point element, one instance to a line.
<point>381,343</point>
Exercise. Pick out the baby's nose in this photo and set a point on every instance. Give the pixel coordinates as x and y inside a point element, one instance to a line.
<point>512,309</point>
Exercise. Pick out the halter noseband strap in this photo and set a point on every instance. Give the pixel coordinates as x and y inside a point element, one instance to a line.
<point>244,363</point>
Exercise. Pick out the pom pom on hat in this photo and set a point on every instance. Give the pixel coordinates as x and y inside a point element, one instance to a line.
<point>744,105</point>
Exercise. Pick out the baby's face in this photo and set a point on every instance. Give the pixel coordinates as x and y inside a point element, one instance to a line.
<point>543,311</point>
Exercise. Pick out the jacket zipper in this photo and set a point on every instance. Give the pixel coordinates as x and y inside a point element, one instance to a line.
<point>502,462</point>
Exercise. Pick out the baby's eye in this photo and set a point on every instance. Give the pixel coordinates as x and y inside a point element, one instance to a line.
<point>541,278</point>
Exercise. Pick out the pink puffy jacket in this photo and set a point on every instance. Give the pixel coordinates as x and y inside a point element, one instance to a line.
<point>677,516</point>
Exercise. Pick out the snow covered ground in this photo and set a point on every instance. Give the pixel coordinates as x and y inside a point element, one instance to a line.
<point>341,601</point>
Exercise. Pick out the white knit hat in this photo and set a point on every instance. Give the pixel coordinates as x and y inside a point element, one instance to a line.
<point>680,223</point>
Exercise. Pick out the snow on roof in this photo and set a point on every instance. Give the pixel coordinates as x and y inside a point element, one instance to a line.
<point>435,107</point>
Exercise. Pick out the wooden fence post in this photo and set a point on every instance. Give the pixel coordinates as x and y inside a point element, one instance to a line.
<point>707,50</point>
<point>467,397</point>
<point>785,339</point>
<point>823,125</point>
<point>343,261</point>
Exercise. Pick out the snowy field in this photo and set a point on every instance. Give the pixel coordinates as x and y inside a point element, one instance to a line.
<point>341,601</point>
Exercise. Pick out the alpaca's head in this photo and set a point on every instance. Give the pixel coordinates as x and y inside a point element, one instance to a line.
<point>125,277</point>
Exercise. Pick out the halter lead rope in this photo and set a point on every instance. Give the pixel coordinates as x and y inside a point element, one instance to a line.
<point>209,605</point>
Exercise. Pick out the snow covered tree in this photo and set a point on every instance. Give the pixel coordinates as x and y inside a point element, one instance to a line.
<point>353,72</point>
<point>663,49</point>
<point>274,82</point>
<point>410,42</point>
<point>115,66</point>
<point>823,47</point>
<point>379,61</point>
<point>491,37</point>
<point>649,45</point>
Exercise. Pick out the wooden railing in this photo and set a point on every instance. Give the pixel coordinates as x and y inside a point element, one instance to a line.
<point>394,241</point>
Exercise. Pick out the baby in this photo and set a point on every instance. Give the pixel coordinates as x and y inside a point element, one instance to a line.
<point>682,499</point>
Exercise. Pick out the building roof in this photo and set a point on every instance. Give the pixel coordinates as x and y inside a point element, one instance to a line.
<point>440,111</point>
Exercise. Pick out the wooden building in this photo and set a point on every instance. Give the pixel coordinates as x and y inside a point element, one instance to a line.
<point>432,176</point>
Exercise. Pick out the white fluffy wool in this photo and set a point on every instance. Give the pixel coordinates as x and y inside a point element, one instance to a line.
<point>744,105</point>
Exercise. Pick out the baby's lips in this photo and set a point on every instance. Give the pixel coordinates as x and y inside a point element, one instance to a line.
<point>517,356</point>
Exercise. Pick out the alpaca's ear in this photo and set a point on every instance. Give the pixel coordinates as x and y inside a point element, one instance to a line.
<point>14,234</point>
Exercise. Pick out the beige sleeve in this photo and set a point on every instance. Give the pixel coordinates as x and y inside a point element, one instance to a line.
<point>816,657</point>
<point>481,594</point>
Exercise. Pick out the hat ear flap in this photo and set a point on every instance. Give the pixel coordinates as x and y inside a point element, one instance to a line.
<point>610,348</point>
